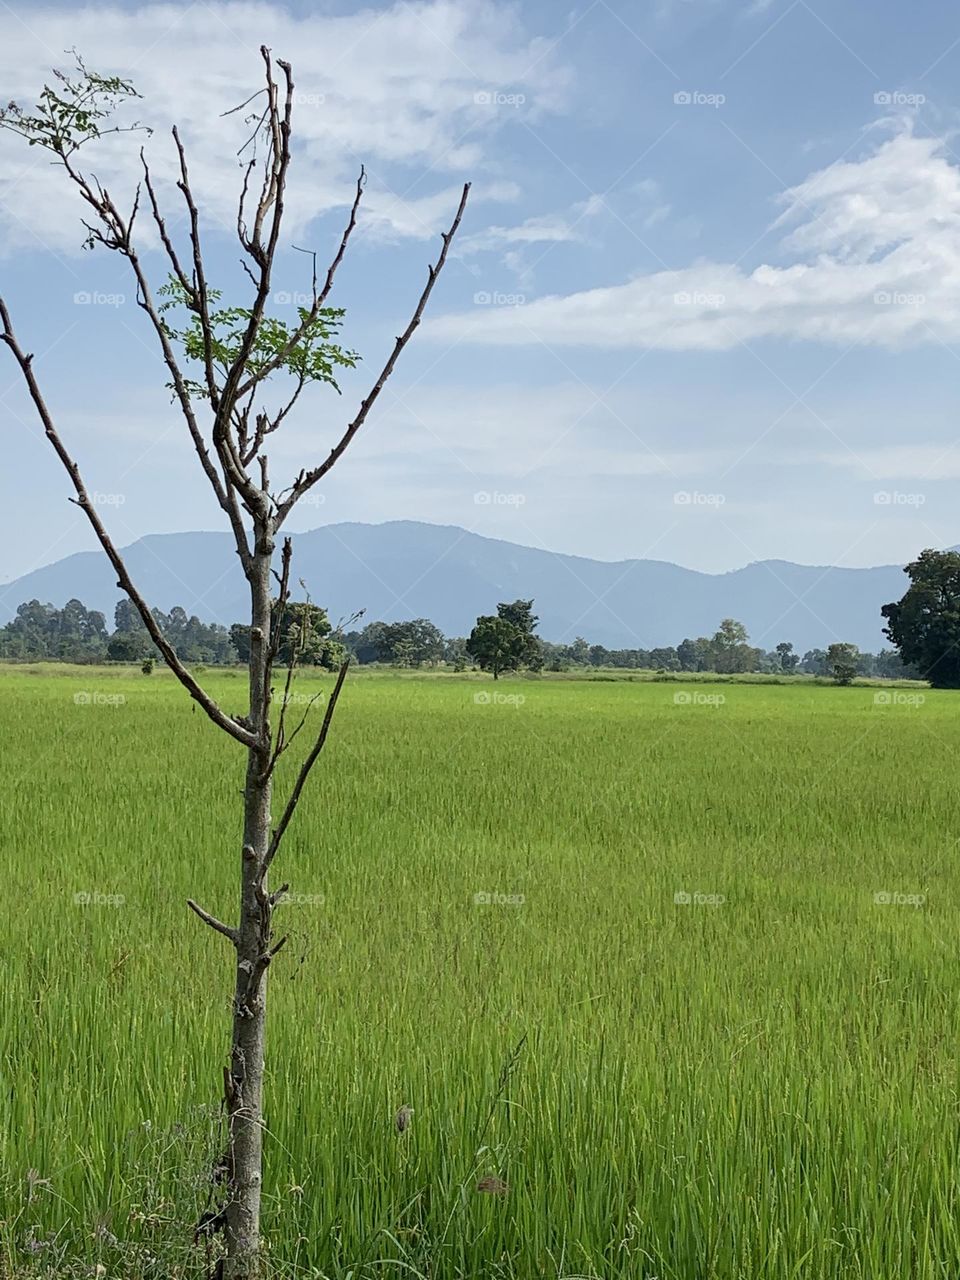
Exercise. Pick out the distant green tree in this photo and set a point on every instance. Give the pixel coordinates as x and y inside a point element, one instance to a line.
<point>455,653</point>
<point>732,653</point>
<point>193,640</point>
<point>28,635</point>
<point>520,613</point>
<point>305,637</point>
<point>788,659</point>
<point>842,662</point>
<point>240,639</point>
<point>890,666</point>
<point>412,643</point>
<point>129,646</point>
<point>497,645</point>
<point>814,662</point>
<point>664,659</point>
<point>705,653</point>
<point>688,655</point>
<point>403,653</point>
<point>925,623</point>
<point>579,652</point>
<point>866,664</point>
<point>554,655</point>
<point>40,631</point>
<point>370,643</point>
<point>82,633</point>
<point>126,617</point>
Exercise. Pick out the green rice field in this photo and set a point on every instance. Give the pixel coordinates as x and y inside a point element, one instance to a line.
<point>668,972</point>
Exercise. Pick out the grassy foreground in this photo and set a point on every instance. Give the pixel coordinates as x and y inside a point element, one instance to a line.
<point>727,925</point>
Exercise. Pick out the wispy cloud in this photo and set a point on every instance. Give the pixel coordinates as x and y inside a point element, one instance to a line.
<point>872,250</point>
<point>555,228</point>
<point>416,91</point>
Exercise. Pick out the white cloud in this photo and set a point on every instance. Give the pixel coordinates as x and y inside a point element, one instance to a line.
<point>391,216</point>
<point>875,249</point>
<point>551,228</point>
<point>576,225</point>
<point>396,88</point>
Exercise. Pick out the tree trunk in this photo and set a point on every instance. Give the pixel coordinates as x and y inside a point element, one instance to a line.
<point>244,1087</point>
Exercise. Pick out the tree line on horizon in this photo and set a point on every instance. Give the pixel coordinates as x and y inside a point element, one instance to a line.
<point>499,643</point>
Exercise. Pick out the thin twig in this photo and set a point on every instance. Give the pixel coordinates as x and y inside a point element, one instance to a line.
<point>304,773</point>
<point>214,923</point>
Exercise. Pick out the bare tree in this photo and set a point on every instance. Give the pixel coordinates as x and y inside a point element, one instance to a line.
<point>236,351</point>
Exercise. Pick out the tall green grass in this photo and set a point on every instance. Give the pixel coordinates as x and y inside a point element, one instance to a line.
<point>760,1087</point>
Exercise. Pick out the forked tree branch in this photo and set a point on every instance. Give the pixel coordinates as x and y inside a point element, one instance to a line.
<point>121,241</point>
<point>124,581</point>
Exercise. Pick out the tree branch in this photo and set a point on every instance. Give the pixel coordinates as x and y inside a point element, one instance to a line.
<point>311,760</point>
<point>216,714</point>
<point>120,241</point>
<point>271,197</point>
<point>214,923</point>
<point>199,291</point>
<point>308,479</point>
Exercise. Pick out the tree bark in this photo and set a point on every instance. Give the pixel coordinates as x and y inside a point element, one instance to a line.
<point>244,1087</point>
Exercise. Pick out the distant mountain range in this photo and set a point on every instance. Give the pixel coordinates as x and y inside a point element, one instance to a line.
<point>406,569</point>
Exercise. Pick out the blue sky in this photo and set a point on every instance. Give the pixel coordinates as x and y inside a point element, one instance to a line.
<point>705,304</point>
